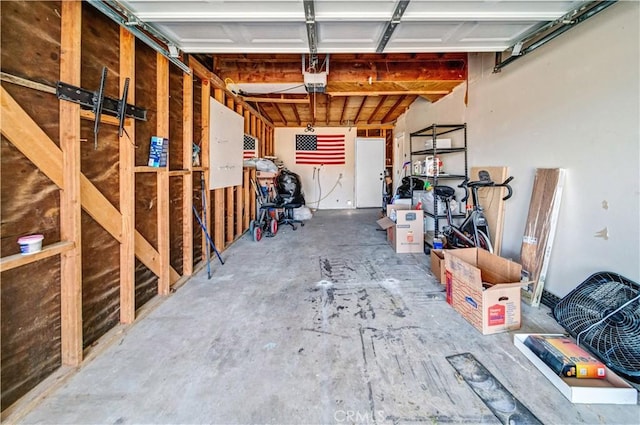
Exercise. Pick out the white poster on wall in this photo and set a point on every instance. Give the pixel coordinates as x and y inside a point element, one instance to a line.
<point>226,143</point>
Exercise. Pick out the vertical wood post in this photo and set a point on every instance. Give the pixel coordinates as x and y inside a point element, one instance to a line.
<point>240,194</point>
<point>219,204</point>
<point>127,184</point>
<point>162,130</point>
<point>204,153</point>
<point>187,180</point>
<point>70,201</point>
<point>246,198</point>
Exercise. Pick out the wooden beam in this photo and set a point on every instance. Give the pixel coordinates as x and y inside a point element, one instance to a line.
<point>375,111</point>
<point>19,81</point>
<point>203,73</point>
<point>28,138</point>
<point>70,196</point>
<point>302,100</point>
<point>127,186</point>
<point>328,106</point>
<point>218,206</point>
<point>162,178</point>
<point>364,99</point>
<point>388,93</point>
<point>344,109</point>
<point>205,161</point>
<point>277,108</point>
<point>252,197</point>
<point>246,198</point>
<point>393,108</point>
<point>187,181</point>
<point>229,213</point>
<point>297,114</point>
<point>239,198</point>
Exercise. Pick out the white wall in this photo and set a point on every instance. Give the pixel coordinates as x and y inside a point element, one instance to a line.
<point>337,192</point>
<point>574,103</point>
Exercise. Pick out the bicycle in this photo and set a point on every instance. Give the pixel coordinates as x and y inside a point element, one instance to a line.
<point>474,230</point>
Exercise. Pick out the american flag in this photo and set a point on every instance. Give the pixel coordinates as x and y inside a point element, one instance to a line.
<point>321,149</point>
<point>250,147</point>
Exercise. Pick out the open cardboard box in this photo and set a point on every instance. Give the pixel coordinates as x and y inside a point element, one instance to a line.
<point>484,288</point>
<point>437,265</point>
<point>406,234</point>
<point>610,390</point>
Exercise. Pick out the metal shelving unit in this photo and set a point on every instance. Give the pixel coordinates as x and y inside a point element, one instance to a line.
<point>433,132</point>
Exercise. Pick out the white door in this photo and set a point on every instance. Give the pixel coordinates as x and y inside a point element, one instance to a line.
<point>369,172</point>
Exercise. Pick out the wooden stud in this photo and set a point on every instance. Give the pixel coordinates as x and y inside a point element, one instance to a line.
<point>70,196</point>
<point>127,186</point>
<point>229,213</point>
<point>239,194</point>
<point>246,199</point>
<point>187,181</point>
<point>252,197</point>
<point>162,130</point>
<point>218,200</point>
<point>28,138</point>
<point>204,154</point>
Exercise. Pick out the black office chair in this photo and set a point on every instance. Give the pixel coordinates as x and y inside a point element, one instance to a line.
<point>289,197</point>
<point>287,216</point>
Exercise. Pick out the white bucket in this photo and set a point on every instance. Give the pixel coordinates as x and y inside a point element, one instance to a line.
<point>30,244</point>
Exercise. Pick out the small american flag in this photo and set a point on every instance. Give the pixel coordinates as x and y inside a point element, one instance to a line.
<point>321,149</point>
<point>250,147</point>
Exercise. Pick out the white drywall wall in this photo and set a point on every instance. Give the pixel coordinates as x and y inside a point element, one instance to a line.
<point>336,181</point>
<point>574,103</point>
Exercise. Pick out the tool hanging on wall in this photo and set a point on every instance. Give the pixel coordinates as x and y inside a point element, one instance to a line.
<point>100,104</point>
<point>204,227</point>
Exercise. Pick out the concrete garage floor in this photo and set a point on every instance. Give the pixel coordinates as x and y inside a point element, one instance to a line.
<point>325,324</point>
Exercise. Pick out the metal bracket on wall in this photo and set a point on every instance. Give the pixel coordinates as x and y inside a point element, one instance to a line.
<point>549,31</point>
<point>100,104</point>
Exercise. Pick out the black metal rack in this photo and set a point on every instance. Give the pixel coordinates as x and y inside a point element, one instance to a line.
<point>433,132</point>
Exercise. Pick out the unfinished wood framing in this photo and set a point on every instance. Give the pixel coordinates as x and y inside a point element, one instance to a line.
<point>204,145</point>
<point>127,187</point>
<point>162,130</point>
<point>219,199</point>
<point>70,204</point>
<point>106,208</point>
<point>187,181</point>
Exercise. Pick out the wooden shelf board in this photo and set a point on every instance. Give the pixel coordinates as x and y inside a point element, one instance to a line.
<point>147,169</point>
<point>106,119</point>
<point>173,173</point>
<point>17,260</point>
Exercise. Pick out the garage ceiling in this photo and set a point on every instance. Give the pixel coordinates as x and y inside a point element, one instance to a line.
<point>383,53</point>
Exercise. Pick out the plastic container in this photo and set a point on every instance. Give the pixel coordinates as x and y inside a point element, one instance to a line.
<point>30,244</point>
<point>437,243</point>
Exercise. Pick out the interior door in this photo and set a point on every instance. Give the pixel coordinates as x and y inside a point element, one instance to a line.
<point>369,172</point>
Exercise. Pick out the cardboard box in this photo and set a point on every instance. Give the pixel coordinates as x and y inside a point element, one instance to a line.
<point>484,288</point>
<point>437,265</point>
<point>406,234</point>
<point>565,357</point>
<point>158,151</point>
<point>265,175</point>
<point>610,390</point>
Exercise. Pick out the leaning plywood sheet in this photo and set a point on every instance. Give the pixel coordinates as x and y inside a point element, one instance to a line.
<point>540,229</point>
<point>491,200</point>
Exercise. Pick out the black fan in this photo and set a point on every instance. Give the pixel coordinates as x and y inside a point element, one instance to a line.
<point>603,314</point>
